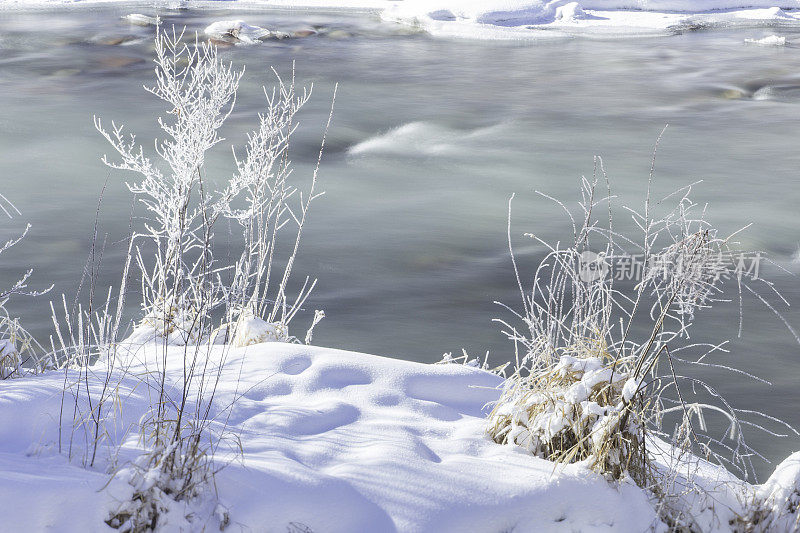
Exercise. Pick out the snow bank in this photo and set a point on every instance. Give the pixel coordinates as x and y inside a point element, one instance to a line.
<point>333,441</point>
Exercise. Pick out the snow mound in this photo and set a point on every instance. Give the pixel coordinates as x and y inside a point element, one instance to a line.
<point>781,494</point>
<point>253,330</point>
<point>333,441</point>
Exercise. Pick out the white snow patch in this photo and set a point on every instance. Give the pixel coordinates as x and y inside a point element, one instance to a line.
<point>524,19</point>
<point>630,389</point>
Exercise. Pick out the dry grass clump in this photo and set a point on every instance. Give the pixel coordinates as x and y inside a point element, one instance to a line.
<point>588,385</point>
<point>165,479</point>
<point>578,410</point>
<point>20,353</point>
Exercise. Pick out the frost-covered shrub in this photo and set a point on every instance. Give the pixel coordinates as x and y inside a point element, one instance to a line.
<point>19,351</point>
<point>161,498</point>
<point>183,283</point>
<point>191,299</point>
<point>588,386</point>
<point>172,325</point>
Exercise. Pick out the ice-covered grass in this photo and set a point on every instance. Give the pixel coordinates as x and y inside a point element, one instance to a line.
<point>20,353</point>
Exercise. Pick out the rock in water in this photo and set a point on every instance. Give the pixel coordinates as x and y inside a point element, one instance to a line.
<point>117,40</point>
<point>338,34</point>
<point>137,19</point>
<point>237,31</point>
<point>305,33</point>
<point>772,40</point>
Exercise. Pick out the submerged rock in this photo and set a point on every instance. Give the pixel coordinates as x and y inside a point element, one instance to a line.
<point>734,94</point>
<point>137,19</point>
<point>778,92</point>
<point>65,72</point>
<point>307,32</point>
<point>338,34</point>
<point>117,40</point>
<point>772,40</point>
<point>117,62</point>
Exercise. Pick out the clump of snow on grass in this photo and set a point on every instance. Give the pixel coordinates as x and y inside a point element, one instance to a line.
<point>571,11</point>
<point>10,362</point>
<point>166,323</point>
<point>251,329</point>
<point>772,40</point>
<point>781,495</point>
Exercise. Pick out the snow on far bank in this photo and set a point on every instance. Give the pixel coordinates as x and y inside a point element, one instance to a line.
<point>525,19</point>
<point>516,19</point>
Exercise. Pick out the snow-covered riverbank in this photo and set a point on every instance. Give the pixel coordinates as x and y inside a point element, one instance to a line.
<point>331,441</point>
<point>334,440</point>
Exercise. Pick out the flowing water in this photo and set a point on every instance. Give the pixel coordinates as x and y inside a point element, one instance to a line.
<point>430,138</point>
